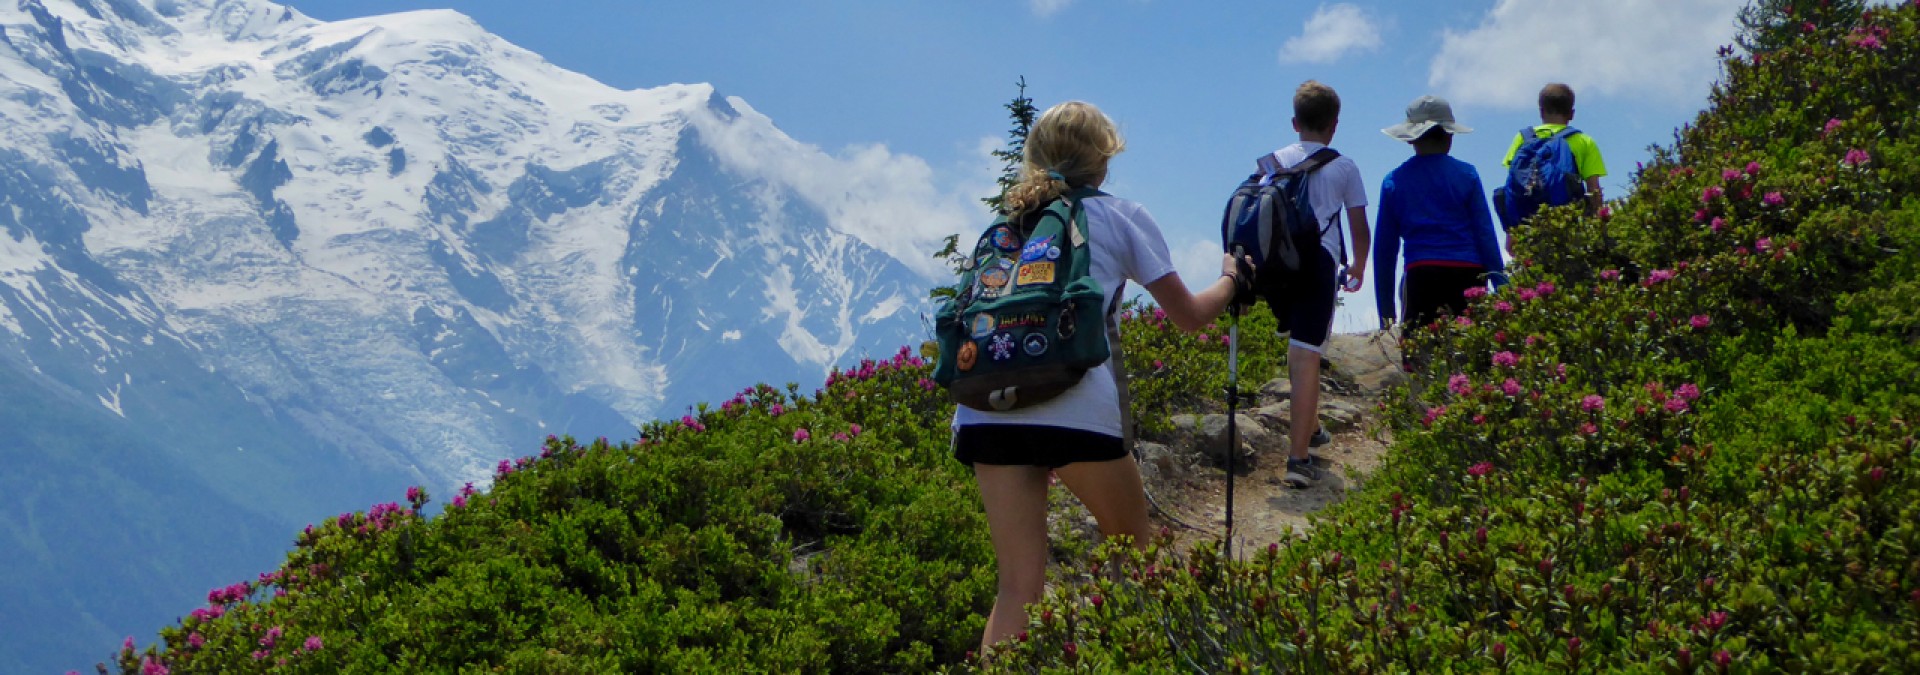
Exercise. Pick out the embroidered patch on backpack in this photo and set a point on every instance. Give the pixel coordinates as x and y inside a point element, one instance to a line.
<point>1001,346</point>
<point>983,326</point>
<point>1037,249</point>
<point>1035,273</point>
<point>1035,344</point>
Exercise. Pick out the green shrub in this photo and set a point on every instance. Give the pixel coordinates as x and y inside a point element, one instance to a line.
<point>1681,441</point>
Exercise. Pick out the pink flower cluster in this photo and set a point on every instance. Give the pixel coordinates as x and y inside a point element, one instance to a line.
<point>1506,360</point>
<point>1459,384</point>
<point>229,595</point>
<point>1856,157</point>
<point>1593,403</point>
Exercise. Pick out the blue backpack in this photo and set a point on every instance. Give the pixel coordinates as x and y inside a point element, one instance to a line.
<point>1543,173</point>
<point>1270,216</point>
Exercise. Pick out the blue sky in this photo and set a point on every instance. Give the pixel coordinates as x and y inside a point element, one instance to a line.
<point>1199,89</point>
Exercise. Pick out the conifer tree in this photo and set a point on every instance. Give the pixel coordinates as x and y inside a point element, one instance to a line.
<point>1012,158</point>
<point>1768,25</point>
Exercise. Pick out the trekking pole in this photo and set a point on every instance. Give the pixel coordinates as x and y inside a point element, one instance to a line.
<point>1234,309</point>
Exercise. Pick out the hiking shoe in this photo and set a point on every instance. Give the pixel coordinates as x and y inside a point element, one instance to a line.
<point>1301,473</point>
<point>1320,437</point>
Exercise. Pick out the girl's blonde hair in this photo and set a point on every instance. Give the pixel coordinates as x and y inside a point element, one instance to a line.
<point>1068,147</point>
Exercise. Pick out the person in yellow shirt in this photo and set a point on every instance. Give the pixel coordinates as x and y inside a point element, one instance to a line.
<point>1556,112</point>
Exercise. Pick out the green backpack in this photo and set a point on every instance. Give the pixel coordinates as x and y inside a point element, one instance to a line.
<point>1028,320</point>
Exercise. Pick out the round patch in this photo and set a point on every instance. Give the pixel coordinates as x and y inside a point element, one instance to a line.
<point>996,277</point>
<point>1053,253</point>
<point>983,326</point>
<point>1001,346</point>
<point>1035,344</point>
<point>1004,240</point>
<point>969,355</point>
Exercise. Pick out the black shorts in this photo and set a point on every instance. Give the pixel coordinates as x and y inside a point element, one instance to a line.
<point>1435,291</point>
<point>1302,301</point>
<point>1033,445</point>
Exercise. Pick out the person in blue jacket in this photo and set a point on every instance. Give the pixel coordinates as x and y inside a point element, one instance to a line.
<point>1434,207</point>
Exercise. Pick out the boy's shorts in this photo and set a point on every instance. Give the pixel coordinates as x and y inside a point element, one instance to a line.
<point>1303,301</point>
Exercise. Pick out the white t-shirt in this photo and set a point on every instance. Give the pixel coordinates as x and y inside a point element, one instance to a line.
<point>1127,246</point>
<point>1335,188</point>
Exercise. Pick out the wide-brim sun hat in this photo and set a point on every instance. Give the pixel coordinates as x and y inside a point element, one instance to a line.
<point>1424,114</point>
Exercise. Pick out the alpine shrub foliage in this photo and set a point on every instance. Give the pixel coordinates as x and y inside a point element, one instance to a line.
<point>1683,440</point>
<point>775,533</point>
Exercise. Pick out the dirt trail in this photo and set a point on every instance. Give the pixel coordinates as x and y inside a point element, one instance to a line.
<point>1186,480</point>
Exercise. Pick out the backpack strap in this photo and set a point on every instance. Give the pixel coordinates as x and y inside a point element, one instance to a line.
<point>1120,370</point>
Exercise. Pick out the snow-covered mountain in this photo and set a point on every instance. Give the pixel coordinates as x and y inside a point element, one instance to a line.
<point>257,266</point>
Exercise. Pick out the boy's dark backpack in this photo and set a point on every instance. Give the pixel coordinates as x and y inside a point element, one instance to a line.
<point>1543,173</point>
<point>1029,319</point>
<point>1270,216</point>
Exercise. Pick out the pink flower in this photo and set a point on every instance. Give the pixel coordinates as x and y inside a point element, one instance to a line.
<point>1718,224</point>
<point>1511,387</point>
<point>1687,391</point>
<point>1610,275</point>
<point>1676,405</point>
<point>1711,193</point>
<point>260,655</point>
<point>1832,126</point>
<point>1203,336</point>
<point>1730,175</point>
<point>841,437</point>
<point>1773,199</point>
<point>801,435</point>
<point>148,666</point>
<point>1433,413</point>
<point>778,410</point>
<point>1475,292</point>
<point>1593,403</point>
<point>928,385</point>
<point>1856,157</point>
<point>1658,276</point>
<point>1605,212</point>
<point>459,501</point>
<point>1753,169</point>
<point>1159,365</point>
<point>1589,428</point>
<point>1528,294</point>
<point>1480,469</point>
<point>1479,419</point>
<point>1506,359</point>
<point>1545,288</point>
<point>854,430</point>
<point>1459,384</point>
<point>1502,306</point>
<point>1463,322</point>
<point>1159,314</point>
<point>1763,245</point>
<point>313,644</point>
<point>1700,321</point>
<point>195,641</point>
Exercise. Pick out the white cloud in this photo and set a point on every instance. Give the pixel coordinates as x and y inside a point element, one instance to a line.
<point>895,203</point>
<point>1662,49</point>
<point>1332,32</point>
<point>1049,7</point>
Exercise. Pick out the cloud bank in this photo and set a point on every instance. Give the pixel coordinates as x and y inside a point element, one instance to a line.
<point>1647,49</point>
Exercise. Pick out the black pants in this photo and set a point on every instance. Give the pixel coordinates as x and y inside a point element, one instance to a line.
<point>1433,290</point>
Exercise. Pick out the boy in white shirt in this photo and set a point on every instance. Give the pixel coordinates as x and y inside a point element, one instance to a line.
<point>1304,301</point>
